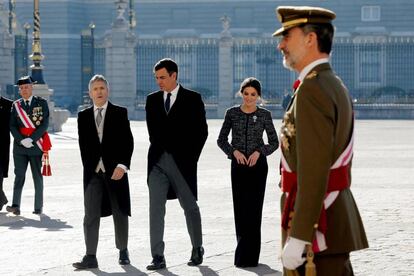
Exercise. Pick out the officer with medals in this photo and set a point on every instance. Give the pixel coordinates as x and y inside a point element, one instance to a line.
<point>28,124</point>
<point>320,218</point>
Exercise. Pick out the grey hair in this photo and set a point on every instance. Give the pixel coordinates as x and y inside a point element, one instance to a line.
<point>96,78</point>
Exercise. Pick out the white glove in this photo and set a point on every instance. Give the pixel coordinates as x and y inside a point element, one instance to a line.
<point>27,142</point>
<point>292,253</point>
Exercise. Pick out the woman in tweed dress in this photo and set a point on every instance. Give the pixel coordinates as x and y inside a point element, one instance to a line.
<point>248,152</point>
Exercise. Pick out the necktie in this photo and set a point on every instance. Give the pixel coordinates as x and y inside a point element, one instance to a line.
<point>296,84</point>
<point>168,102</point>
<point>27,105</point>
<point>99,116</point>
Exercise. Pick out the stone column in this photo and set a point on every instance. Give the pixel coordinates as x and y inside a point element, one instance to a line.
<point>57,116</point>
<point>226,93</point>
<point>6,56</point>
<point>120,61</point>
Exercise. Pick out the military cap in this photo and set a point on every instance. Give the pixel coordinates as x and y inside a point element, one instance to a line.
<point>25,80</point>
<point>292,16</point>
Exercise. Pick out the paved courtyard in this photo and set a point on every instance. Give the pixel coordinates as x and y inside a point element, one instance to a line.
<point>383,185</point>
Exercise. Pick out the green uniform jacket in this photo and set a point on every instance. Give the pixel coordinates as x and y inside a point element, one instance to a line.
<point>316,129</point>
<point>39,114</point>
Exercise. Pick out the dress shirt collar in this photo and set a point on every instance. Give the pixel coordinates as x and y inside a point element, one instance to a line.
<point>173,97</point>
<point>174,92</point>
<point>29,99</point>
<point>310,66</point>
<point>104,107</point>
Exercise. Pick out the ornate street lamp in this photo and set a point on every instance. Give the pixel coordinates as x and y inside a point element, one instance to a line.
<point>92,27</point>
<point>36,56</point>
<point>26,27</point>
<point>12,15</point>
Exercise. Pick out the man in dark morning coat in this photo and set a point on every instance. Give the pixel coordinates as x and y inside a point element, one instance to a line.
<point>5,108</point>
<point>177,130</point>
<point>106,145</point>
<point>320,213</point>
<point>25,147</point>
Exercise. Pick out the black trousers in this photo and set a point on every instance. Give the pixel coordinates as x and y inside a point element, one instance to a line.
<point>248,187</point>
<point>163,175</point>
<point>21,161</point>
<point>3,198</point>
<point>93,202</point>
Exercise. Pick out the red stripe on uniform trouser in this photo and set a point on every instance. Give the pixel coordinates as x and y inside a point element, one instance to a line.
<point>46,143</point>
<point>338,181</point>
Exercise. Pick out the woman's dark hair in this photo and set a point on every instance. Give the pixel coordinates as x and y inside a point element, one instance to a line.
<point>168,64</point>
<point>251,82</point>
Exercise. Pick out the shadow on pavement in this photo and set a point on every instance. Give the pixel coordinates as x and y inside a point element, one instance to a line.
<point>129,270</point>
<point>206,271</point>
<point>164,272</point>
<point>19,222</point>
<point>263,270</point>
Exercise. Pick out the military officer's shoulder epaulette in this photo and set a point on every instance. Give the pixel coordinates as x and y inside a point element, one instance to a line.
<point>312,75</point>
<point>39,98</point>
<point>312,79</point>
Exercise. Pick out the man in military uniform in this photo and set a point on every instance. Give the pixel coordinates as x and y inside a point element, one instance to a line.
<point>319,214</point>
<point>5,106</point>
<point>28,124</point>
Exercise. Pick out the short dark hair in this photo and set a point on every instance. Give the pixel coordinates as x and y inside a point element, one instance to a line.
<point>96,78</point>
<point>251,82</point>
<point>324,33</point>
<point>169,65</point>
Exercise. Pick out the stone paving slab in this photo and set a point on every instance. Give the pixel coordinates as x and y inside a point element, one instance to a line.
<point>383,185</point>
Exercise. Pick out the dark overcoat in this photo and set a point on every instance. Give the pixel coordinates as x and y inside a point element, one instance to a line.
<point>182,132</point>
<point>116,148</point>
<point>5,109</point>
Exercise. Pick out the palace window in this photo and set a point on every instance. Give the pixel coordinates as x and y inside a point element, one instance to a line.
<point>371,65</point>
<point>371,13</point>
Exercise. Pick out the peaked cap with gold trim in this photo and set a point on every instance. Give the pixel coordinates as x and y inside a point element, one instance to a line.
<point>292,16</point>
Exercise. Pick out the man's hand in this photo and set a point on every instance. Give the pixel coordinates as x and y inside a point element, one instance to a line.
<point>241,159</point>
<point>27,143</point>
<point>118,173</point>
<point>292,253</point>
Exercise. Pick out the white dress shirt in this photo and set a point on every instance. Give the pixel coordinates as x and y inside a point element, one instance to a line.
<point>100,133</point>
<point>173,97</point>
<point>99,129</point>
<point>29,99</point>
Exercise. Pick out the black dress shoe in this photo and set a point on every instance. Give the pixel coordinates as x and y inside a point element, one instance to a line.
<point>37,212</point>
<point>124,257</point>
<point>13,209</point>
<point>158,262</point>
<point>3,199</point>
<point>246,265</point>
<point>196,256</point>
<point>88,261</point>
